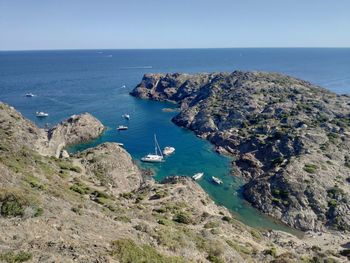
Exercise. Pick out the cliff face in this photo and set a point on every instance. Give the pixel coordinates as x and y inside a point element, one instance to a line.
<point>290,139</point>
<point>95,207</point>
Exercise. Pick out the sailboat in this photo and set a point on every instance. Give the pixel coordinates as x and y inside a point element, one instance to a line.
<point>154,158</point>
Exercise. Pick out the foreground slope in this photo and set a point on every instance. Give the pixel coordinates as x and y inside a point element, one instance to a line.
<point>95,206</point>
<point>290,139</point>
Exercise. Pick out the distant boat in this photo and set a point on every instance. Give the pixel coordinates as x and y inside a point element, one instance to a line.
<point>126,116</point>
<point>168,150</point>
<point>216,180</point>
<point>120,144</point>
<point>197,176</point>
<point>154,158</point>
<point>123,86</point>
<point>30,95</point>
<point>122,128</point>
<point>41,114</point>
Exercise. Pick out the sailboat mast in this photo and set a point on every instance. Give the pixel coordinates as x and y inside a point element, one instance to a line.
<point>157,146</point>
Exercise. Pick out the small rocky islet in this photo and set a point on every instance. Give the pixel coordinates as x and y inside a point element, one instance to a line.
<point>98,206</point>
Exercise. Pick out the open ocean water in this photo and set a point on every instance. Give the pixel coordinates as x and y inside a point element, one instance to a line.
<point>72,82</point>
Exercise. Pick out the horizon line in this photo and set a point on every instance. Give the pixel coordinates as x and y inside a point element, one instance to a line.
<point>101,49</point>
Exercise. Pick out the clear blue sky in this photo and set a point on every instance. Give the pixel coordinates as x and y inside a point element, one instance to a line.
<point>90,24</point>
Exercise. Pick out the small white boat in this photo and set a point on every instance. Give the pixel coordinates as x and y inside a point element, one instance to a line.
<point>216,180</point>
<point>126,116</point>
<point>30,95</point>
<point>168,150</point>
<point>123,86</point>
<point>154,158</point>
<point>197,176</point>
<point>41,114</point>
<point>122,128</point>
<point>120,144</point>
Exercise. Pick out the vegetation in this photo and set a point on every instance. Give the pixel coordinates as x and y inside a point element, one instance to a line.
<point>13,257</point>
<point>14,202</point>
<point>183,218</point>
<point>310,168</point>
<point>127,251</point>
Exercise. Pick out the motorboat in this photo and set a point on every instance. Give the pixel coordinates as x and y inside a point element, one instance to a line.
<point>126,116</point>
<point>122,128</point>
<point>168,150</point>
<point>120,144</point>
<point>197,176</point>
<point>154,158</point>
<point>29,95</point>
<point>216,180</point>
<point>41,114</point>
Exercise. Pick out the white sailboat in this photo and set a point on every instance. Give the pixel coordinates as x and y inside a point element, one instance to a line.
<point>154,158</point>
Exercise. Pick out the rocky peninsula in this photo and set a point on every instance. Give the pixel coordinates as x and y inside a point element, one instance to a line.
<point>290,139</point>
<point>96,206</point>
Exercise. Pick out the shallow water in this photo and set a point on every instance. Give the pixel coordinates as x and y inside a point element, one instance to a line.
<point>70,82</point>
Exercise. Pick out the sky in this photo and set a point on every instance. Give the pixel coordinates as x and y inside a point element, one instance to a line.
<point>130,24</point>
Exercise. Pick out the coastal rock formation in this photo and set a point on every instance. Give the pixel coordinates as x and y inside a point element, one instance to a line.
<point>76,129</point>
<point>111,166</point>
<point>65,210</point>
<point>290,139</point>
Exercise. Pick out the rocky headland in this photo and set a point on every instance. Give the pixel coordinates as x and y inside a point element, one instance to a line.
<point>95,206</point>
<point>290,139</point>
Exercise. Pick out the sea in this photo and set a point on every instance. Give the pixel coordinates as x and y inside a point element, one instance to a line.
<point>67,82</point>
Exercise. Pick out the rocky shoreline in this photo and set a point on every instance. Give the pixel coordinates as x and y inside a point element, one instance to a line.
<point>96,206</point>
<point>290,139</point>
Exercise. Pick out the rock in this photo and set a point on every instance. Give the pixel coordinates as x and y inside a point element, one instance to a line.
<point>289,138</point>
<point>76,129</point>
<point>111,166</point>
<point>64,154</point>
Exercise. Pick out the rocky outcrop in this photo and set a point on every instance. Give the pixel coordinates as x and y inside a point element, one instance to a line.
<point>76,129</point>
<point>109,165</point>
<point>92,207</point>
<point>289,138</point>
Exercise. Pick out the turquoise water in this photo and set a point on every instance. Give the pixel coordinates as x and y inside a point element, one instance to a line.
<point>70,82</point>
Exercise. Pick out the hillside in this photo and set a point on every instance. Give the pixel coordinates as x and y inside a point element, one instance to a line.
<point>290,139</point>
<point>96,206</point>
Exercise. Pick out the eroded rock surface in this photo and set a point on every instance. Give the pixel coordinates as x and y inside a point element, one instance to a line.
<point>290,138</point>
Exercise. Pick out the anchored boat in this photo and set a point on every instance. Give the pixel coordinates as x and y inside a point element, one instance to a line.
<point>197,176</point>
<point>41,114</point>
<point>168,150</point>
<point>30,95</point>
<point>216,180</point>
<point>126,116</point>
<point>122,128</point>
<point>154,158</point>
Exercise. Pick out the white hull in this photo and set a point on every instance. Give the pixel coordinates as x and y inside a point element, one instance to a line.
<point>216,180</point>
<point>154,158</point>
<point>197,176</point>
<point>168,150</point>
<point>151,158</point>
<point>41,114</point>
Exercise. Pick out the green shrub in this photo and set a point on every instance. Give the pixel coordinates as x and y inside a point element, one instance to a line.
<point>227,219</point>
<point>183,218</point>
<point>211,224</point>
<point>126,251</point>
<point>12,257</point>
<point>272,251</point>
<point>80,188</point>
<point>310,168</point>
<point>13,202</point>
